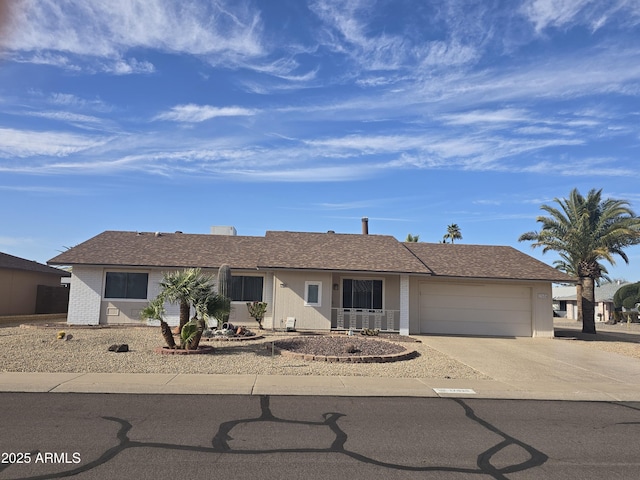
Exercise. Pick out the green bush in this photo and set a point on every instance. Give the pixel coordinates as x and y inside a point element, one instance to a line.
<point>627,296</point>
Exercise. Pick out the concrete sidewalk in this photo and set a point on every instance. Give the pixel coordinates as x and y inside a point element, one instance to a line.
<point>522,368</point>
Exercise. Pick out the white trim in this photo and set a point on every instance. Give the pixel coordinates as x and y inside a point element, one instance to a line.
<point>404,304</point>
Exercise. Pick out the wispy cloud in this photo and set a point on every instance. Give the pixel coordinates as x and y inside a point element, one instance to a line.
<point>46,31</point>
<point>38,189</point>
<point>29,143</point>
<point>199,113</point>
<point>75,119</point>
<point>347,31</point>
<point>584,167</point>
<point>591,13</point>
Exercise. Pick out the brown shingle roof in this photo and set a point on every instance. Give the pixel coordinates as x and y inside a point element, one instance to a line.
<point>17,263</point>
<point>176,250</point>
<point>334,251</point>
<point>320,251</point>
<point>307,251</point>
<point>484,261</point>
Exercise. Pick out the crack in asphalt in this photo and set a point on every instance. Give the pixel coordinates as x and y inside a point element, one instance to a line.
<point>220,445</point>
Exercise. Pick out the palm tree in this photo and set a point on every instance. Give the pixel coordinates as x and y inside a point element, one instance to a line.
<point>207,304</point>
<point>453,233</point>
<point>180,287</point>
<point>412,238</point>
<point>189,288</point>
<point>155,311</point>
<point>586,231</point>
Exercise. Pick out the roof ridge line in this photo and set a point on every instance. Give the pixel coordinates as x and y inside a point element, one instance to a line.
<point>404,244</point>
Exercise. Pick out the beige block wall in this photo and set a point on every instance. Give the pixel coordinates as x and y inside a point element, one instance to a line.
<point>18,290</point>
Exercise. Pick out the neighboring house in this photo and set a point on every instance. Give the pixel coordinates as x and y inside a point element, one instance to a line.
<point>323,280</point>
<point>565,304</point>
<point>26,287</point>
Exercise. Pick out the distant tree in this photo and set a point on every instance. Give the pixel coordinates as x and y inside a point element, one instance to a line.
<point>453,233</point>
<point>585,231</point>
<point>412,238</point>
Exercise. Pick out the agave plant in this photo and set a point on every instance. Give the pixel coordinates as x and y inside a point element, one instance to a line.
<point>191,333</point>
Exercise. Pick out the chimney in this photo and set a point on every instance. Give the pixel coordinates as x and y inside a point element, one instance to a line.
<point>365,226</point>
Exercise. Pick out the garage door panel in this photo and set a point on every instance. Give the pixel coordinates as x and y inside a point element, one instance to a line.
<point>475,309</point>
<point>475,303</point>
<point>475,316</point>
<point>475,328</point>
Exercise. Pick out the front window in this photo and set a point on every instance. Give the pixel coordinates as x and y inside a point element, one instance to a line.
<point>126,285</point>
<point>365,294</point>
<point>246,289</point>
<point>312,294</point>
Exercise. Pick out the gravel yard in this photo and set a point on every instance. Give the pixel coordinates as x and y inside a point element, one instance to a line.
<point>36,349</point>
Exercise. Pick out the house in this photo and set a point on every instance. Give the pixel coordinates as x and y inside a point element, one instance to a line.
<point>28,287</point>
<point>324,280</point>
<point>565,304</point>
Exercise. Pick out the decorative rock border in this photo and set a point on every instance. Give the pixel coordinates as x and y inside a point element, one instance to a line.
<point>391,357</point>
<point>202,350</point>
<point>223,338</point>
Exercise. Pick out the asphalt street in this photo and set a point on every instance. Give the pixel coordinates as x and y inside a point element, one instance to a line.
<point>100,436</point>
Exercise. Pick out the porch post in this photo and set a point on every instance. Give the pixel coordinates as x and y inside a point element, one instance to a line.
<point>404,305</point>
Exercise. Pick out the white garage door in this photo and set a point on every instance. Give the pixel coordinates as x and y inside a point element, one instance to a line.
<point>497,310</point>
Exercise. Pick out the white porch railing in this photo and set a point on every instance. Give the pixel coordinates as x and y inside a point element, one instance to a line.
<point>359,319</point>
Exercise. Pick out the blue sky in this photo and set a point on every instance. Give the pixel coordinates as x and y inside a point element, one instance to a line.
<point>158,115</point>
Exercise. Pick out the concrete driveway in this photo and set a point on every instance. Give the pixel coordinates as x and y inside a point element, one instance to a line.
<point>557,368</point>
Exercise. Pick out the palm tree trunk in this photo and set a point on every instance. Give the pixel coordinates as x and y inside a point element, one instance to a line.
<point>185,310</point>
<point>166,333</point>
<point>588,305</point>
<point>579,290</point>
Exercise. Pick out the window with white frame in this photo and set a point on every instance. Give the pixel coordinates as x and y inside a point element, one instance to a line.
<point>312,294</point>
<point>364,294</point>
